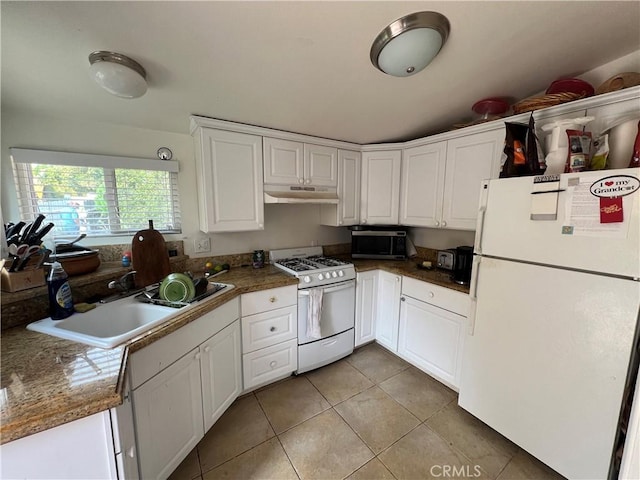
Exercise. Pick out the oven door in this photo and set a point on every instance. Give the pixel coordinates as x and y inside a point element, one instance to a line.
<point>338,310</point>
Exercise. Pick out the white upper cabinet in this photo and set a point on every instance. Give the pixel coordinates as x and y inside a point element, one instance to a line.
<point>320,165</point>
<point>422,185</point>
<point>347,212</point>
<point>440,184</point>
<point>294,163</point>
<point>470,160</point>
<point>229,176</point>
<point>283,161</point>
<point>380,187</point>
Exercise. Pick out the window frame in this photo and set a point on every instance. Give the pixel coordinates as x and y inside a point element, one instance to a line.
<point>27,205</point>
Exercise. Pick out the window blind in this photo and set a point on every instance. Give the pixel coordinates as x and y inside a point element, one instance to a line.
<point>99,195</point>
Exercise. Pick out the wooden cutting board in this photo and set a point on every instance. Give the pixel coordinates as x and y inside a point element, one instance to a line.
<point>149,256</point>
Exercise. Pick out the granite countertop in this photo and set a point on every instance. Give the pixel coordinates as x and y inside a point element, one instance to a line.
<point>46,381</point>
<point>410,268</point>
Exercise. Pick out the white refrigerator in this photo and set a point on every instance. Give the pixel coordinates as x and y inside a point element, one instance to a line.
<point>554,312</point>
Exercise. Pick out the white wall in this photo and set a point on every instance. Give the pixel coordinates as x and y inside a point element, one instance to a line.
<point>599,75</point>
<point>285,225</point>
<point>439,238</point>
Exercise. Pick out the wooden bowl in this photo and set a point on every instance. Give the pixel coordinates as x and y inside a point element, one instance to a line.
<point>78,263</point>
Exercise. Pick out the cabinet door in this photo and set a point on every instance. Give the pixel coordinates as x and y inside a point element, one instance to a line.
<point>283,162</point>
<point>470,160</point>
<point>388,309</point>
<point>366,296</point>
<point>349,187</point>
<point>230,184</point>
<point>221,370</point>
<point>124,440</point>
<point>347,212</point>
<point>432,339</point>
<point>168,412</point>
<point>380,187</point>
<point>320,165</point>
<point>422,185</point>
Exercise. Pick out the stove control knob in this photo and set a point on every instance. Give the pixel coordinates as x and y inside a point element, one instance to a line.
<point>307,279</point>
<point>340,273</point>
<point>320,277</point>
<point>334,274</point>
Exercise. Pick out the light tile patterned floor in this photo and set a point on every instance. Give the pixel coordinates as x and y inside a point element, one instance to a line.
<point>369,416</point>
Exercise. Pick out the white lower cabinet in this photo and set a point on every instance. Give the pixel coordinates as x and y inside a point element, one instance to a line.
<point>270,363</point>
<point>269,335</point>
<point>181,386</point>
<point>124,437</point>
<point>366,308</point>
<point>431,337</point>
<point>169,416</point>
<point>81,449</point>
<point>221,371</point>
<point>388,309</point>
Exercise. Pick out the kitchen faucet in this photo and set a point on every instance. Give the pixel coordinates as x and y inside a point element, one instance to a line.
<point>124,283</point>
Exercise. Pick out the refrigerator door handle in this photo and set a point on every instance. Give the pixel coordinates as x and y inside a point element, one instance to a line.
<point>477,246</point>
<point>482,210</point>
<point>473,293</point>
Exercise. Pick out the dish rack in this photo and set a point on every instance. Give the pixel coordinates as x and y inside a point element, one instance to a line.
<point>152,296</point>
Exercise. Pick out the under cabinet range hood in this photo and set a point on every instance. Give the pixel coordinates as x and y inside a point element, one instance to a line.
<point>298,194</point>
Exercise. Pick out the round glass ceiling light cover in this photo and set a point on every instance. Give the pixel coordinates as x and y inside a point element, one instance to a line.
<point>410,52</point>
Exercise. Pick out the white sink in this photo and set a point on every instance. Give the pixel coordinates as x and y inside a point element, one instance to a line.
<point>112,324</point>
<point>108,324</point>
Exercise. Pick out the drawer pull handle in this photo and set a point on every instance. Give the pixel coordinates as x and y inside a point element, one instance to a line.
<point>197,356</point>
<point>431,295</point>
<point>273,364</point>
<point>131,452</point>
<point>207,349</point>
<point>273,299</point>
<point>272,329</point>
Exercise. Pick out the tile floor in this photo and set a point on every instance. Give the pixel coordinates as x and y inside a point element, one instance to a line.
<point>369,416</point>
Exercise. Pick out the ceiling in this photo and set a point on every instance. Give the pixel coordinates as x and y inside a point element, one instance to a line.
<point>299,66</point>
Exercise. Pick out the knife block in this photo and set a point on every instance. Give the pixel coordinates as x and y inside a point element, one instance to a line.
<point>23,280</point>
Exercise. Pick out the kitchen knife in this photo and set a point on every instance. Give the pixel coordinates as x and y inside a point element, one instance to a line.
<point>34,228</point>
<point>13,239</point>
<point>25,233</point>
<point>37,238</point>
<point>15,229</point>
<point>30,230</point>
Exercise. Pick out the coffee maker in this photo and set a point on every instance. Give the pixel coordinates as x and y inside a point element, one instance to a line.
<point>462,265</point>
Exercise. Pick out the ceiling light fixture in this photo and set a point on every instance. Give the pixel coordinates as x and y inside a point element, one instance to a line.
<point>410,43</point>
<point>118,74</point>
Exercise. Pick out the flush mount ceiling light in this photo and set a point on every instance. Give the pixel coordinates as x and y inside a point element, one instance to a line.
<point>409,44</point>
<point>118,74</point>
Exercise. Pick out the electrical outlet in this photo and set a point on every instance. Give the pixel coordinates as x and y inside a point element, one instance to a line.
<point>202,245</point>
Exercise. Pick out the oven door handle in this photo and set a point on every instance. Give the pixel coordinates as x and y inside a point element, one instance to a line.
<point>334,288</point>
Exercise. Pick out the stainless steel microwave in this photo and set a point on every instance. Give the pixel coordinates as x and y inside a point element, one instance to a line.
<point>383,244</point>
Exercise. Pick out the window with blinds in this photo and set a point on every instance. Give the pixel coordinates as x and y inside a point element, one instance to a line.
<point>96,194</point>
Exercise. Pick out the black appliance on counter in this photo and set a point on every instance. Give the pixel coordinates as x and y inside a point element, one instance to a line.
<point>462,265</point>
<point>381,242</point>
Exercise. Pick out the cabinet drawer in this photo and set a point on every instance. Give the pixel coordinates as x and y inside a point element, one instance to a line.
<point>269,328</point>
<point>152,359</point>
<point>270,363</point>
<point>265,300</point>
<point>451,300</point>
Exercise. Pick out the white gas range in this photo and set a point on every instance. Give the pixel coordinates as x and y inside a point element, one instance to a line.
<point>326,304</point>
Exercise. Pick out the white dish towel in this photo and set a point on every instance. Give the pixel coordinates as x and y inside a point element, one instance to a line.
<point>314,313</point>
